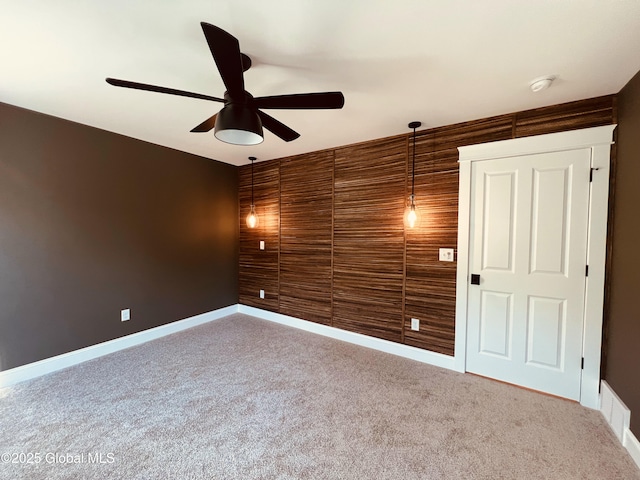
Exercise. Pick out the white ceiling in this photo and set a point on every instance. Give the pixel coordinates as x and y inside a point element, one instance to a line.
<point>436,61</point>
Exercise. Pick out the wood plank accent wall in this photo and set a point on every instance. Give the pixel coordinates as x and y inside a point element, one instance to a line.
<point>431,284</point>
<point>306,232</point>
<point>358,269</point>
<point>259,269</point>
<point>567,116</point>
<point>368,244</point>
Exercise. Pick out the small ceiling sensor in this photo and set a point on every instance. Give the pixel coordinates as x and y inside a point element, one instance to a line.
<point>542,83</point>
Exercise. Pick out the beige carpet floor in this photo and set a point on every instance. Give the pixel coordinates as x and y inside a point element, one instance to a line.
<point>242,398</point>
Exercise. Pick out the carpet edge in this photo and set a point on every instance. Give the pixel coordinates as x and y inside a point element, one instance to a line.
<point>53,364</point>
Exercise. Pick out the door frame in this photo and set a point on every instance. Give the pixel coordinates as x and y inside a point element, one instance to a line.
<point>599,140</point>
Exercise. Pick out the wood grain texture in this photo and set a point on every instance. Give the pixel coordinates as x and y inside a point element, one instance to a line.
<point>359,269</point>
<point>430,286</point>
<point>368,245</point>
<point>259,269</point>
<point>593,112</point>
<point>306,210</point>
<point>483,130</point>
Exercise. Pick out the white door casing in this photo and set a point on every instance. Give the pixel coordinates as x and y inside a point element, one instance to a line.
<point>591,148</point>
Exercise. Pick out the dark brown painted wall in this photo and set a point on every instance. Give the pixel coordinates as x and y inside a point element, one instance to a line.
<point>623,332</point>
<point>336,249</point>
<point>92,222</point>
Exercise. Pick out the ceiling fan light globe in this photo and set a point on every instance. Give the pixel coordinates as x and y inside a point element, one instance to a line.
<point>238,137</point>
<point>238,125</point>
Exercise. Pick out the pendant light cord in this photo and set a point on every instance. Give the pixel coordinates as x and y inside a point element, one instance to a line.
<point>413,166</point>
<point>413,125</point>
<point>252,159</point>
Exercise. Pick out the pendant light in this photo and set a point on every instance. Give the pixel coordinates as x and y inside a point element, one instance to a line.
<point>411,216</point>
<point>252,218</point>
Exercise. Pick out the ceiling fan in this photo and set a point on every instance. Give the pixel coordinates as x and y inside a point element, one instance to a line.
<point>240,121</point>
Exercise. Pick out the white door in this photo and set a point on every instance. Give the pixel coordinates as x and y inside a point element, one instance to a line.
<point>528,244</point>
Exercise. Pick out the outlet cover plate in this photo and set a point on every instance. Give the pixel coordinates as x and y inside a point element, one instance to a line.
<point>415,324</point>
<point>446,255</point>
<point>261,293</point>
<point>125,314</point>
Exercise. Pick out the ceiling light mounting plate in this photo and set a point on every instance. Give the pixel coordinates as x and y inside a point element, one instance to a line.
<point>415,124</point>
<point>541,83</point>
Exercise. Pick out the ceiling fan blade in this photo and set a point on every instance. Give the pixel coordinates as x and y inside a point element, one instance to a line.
<point>154,88</point>
<point>302,101</point>
<point>277,128</point>
<point>225,49</point>
<point>205,126</point>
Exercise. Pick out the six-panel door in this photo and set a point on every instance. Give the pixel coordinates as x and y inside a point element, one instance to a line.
<point>528,242</point>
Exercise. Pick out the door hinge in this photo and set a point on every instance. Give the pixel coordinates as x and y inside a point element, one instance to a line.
<point>591,174</point>
<point>586,271</point>
<point>582,365</point>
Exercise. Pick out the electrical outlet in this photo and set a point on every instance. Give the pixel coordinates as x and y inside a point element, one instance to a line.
<point>446,255</point>
<point>261,293</point>
<point>261,244</point>
<point>415,324</point>
<point>125,314</point>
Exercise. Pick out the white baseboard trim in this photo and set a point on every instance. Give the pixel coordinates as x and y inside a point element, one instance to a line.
<point>59,362</point>
<point>632,445</point>
<point>616,413</point>
<point>618,416</point>
<point>418,354</point>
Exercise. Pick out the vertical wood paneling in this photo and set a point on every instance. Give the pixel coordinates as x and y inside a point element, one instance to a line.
<point>358,269</point>
<point>259,269</point>
<point>368,238</point>
<point>306,209</point>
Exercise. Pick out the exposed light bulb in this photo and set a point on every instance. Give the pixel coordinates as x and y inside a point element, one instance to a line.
<point>412,217</point>
<point>252,218</point>
<point>411,213</point>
